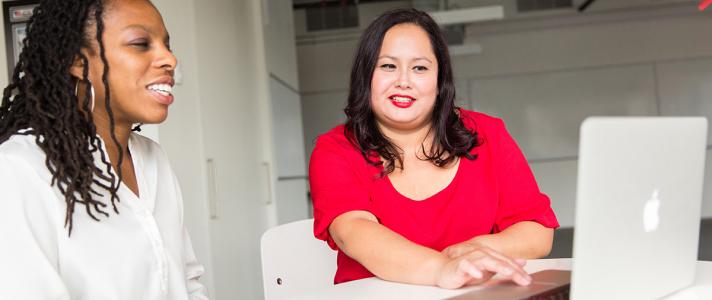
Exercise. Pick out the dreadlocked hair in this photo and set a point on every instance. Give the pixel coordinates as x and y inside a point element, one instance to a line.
<point>41,101</point>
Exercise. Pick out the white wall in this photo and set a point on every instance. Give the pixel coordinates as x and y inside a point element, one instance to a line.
<point>289,174</point>
<point>220,113</point>
<point>182,133</point>
<point>543,76</point>
<point>543,82</point>
<point>279,39</point>
<point>232,79</point>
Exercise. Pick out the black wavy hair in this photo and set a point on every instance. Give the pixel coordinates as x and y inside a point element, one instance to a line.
<point>451,138</point>
<point>41,101</point>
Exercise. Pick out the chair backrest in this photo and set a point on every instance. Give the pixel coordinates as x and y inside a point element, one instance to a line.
<point>294,261</point>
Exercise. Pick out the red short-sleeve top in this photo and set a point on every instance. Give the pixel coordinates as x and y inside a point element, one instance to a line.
<point>487,194</point>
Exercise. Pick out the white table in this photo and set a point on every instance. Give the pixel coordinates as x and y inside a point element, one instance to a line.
<point>374,288</point>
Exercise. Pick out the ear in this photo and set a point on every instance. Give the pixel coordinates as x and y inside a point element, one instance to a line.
<point>77,68</point>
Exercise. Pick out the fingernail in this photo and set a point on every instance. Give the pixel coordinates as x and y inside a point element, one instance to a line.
<point>476,273</point>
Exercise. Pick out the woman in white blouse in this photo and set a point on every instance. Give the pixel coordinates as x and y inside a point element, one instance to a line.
<point>88,209</point>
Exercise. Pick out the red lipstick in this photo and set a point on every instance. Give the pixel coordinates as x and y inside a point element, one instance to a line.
<point>403,101</point>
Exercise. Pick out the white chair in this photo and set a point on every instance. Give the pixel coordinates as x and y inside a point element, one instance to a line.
<point>294,261</point>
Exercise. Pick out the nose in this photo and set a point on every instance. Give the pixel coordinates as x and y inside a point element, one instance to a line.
<point>166,59</point>
<point>403,81</point>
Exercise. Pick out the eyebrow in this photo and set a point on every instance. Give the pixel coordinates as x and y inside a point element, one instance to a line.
<point>144,28</point>
<point>137,26</point>
<point>417,58</point>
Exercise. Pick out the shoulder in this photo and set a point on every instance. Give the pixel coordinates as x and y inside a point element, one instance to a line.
<point>151,156</point>
<point>23,153</point>
<point>335,140</point>
<point>480,122</point>
<point>489,129</point>
<point>21,145</point>
<point>24,177</point>
<point>148,148</point>
<point>29,203</point>
<point>145,143</point>
<point>334,152</point>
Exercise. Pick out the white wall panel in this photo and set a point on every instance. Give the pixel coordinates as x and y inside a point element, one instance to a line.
<point>543,111</point>
<point>685,89</point>
<point>182,134</point>
<point>707,195</point>
<point>292,200</point>
<point>325,66</point>
<point>280,41</point>
<point>462,92</point>
<point>557,179</point>
<point>321,112</point>
<point>552,47</point>
<point>233,80</point>
<point>288,136</point>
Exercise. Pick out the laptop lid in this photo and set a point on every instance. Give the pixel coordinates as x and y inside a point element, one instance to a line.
<point>637,206</point>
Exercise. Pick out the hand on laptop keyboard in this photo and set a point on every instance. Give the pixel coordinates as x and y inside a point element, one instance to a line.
<point>478,266</point>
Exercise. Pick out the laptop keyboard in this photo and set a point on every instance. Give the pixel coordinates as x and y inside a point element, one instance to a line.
<point>558,293</point>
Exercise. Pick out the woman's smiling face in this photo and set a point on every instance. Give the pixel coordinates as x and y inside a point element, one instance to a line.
<point>141,64</point>
<point>404,85</point>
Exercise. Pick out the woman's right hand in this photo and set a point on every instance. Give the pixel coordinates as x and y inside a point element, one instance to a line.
<point>478,266</point>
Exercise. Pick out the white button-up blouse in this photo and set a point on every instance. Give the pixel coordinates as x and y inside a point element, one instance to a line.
<point>143,252</point>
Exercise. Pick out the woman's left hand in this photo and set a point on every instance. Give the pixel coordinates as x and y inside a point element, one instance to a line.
<point>469,246</point>
<point>460,249</point>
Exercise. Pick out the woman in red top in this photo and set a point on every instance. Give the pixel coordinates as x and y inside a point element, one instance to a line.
<point>412,189</point>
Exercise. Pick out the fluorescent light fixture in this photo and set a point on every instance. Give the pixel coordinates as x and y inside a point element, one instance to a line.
<point>468,15</point>
<point>465,49</point>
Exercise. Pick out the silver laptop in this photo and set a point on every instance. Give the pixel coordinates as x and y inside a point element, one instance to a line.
<point>637,212</point>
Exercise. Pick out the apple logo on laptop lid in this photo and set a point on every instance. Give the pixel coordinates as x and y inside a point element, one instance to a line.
<point>651,213</point>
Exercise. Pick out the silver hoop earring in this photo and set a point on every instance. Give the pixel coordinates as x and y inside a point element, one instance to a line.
<point>76,89</point>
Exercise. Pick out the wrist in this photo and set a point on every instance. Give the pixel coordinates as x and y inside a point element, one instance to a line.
<point>437,266</point>
<point>482,241</point>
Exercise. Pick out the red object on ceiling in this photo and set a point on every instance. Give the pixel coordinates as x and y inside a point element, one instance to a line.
<point>704,4</point>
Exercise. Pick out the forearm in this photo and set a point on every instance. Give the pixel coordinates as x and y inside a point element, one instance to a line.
<point>385,253</point>
<point>522,240</point>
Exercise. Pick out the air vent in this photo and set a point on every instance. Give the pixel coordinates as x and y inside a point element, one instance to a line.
<point>332,15</point>
<point>538,5</point>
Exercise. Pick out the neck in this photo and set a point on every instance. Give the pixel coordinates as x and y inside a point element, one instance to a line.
<point>122,135</point>
<point>411,141</point>
<point>122,131</point>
